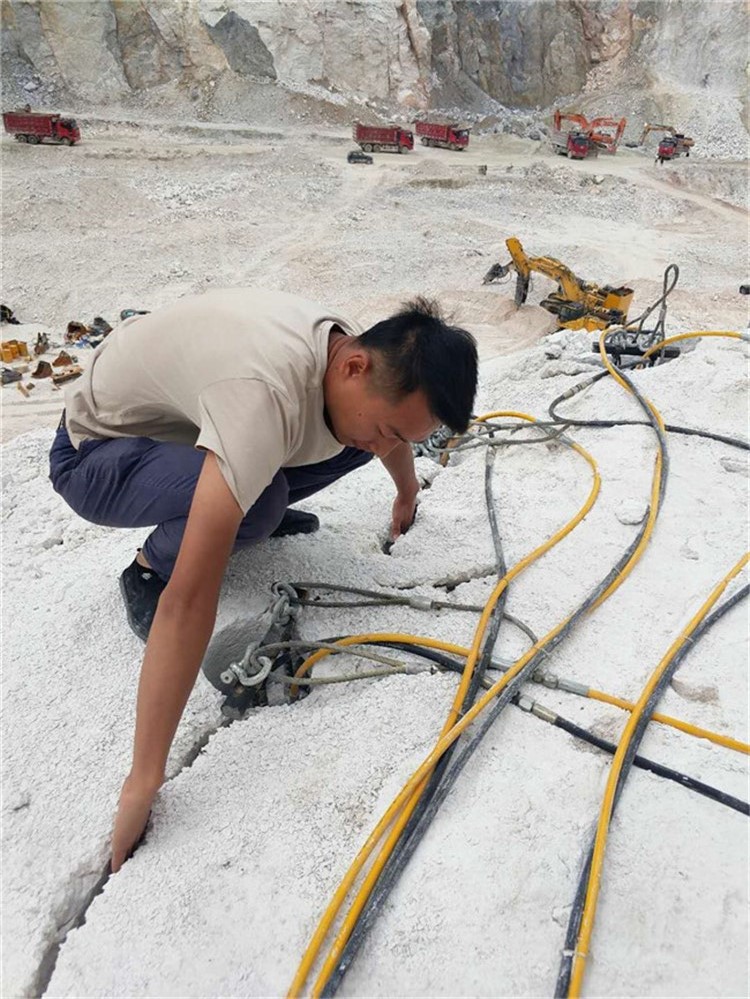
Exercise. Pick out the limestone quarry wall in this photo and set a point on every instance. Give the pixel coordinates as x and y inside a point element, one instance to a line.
<point>522,53</point>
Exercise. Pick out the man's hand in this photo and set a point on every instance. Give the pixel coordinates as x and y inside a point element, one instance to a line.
<point>400,466</point>
<point>403,513</point>
<point>130,822</point>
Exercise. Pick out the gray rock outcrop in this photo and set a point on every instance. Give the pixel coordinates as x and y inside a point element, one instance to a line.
<point>410,53</point>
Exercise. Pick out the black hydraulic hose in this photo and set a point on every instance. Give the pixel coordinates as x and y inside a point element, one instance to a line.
<point>691,783</point>
<point>576,912</point>
<point>660,303</point>
<point>401,852</point>
<point>392,871</point>
<point>643,763</point>
<point>670,427</point>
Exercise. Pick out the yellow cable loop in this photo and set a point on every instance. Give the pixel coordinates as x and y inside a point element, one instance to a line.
<point>701,733</point>
<point>605,815</point>
<point>334,906</point>
<point>691,336</point>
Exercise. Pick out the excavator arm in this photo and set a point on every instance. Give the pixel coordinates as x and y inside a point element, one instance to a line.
<point>607,132</point>
<point>577,304</point>
<point>568,284</point>
<point>578,121</point>
<point>654,128</point>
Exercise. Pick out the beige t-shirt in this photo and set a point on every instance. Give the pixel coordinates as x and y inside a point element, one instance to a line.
<point>236,371</point>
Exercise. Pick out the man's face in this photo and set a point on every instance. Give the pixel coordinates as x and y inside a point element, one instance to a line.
<point>362,417</point>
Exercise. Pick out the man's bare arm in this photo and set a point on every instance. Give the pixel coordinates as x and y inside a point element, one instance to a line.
<point>400,466</point>
<point>179,635</point>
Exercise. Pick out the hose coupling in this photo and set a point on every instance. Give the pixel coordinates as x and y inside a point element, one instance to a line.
<point>548,679</point>
<point>535,708</point>
<point>573,687</point>
<point>420,603</point>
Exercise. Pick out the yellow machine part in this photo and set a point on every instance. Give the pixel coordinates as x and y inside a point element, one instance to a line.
<point>594,302</point>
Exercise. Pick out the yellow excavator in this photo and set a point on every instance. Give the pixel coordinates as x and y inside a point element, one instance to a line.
<point>685,142</point>
<point>577,304</point>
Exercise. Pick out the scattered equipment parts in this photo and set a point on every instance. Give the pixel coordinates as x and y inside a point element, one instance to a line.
<point>12,349</point>
<point>42,344</point>
<point>382,138</point>
<point>92,334</point>
<point>43,370</point>
<point>67,375</point>
<point>577,304</point>
<point>431,133</point>
<point>7,315</point>
<point>35,126</point>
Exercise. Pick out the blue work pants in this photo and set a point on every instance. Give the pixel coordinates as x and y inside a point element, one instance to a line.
<point>140,482</point>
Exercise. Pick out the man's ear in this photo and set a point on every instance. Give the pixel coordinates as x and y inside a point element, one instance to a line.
<point>357,364</point>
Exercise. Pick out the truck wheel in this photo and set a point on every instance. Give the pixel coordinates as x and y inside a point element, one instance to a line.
<point>424,141</point>
<point>20,137</point>
<point>367,147</point>
<point>33,139</point>
<point>69,142</point>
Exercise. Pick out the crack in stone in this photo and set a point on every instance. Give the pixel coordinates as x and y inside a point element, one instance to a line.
<point>48,962</point>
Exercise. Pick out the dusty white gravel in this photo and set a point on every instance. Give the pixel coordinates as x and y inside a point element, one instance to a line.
<point>249,842</point>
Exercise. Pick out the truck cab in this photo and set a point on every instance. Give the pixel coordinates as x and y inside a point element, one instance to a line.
<point>579,145</point>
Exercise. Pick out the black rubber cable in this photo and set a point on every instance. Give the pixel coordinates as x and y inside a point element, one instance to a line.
<point>392,871</point>
<point>660,303</point>
<point>401,853</point>
<point>691,783</point>
<point>670,427</point>
<point>642,762</point>
<point>576,912</point>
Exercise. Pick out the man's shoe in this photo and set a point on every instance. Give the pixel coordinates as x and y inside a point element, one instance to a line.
<point>296,522</point>
<point>141,589</point>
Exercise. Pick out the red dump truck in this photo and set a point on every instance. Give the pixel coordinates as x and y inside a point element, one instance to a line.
<point>35,126</point>
<point>574,145</point>
<point>445,136</point>
<point>382,138</point>
<point>672,146</point>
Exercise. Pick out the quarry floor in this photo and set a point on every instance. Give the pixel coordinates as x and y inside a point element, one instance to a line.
<point>249,841</point>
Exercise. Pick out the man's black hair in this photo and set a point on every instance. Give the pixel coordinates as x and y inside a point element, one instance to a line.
<point>419,350</point>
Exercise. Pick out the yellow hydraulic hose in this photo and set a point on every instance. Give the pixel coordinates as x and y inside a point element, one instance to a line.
<point>333,908</point>
<point>463,652</point>
<point>653,510</point>
<point>701,733</point>
<point>605,815</point>
<point>387,636</point>
<point>692,336</point>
